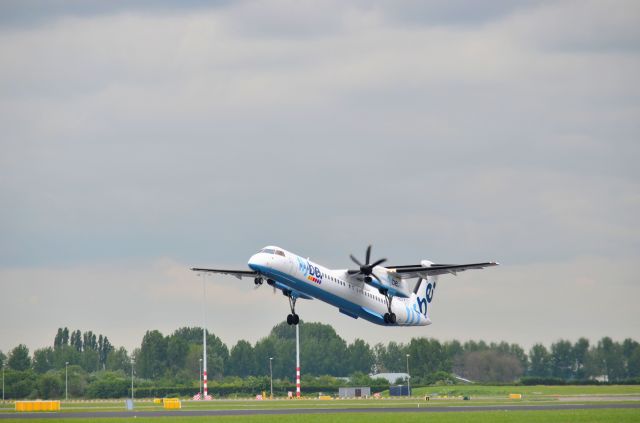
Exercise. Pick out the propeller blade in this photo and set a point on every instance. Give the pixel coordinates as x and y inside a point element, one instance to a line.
<point>376,263</point>
<point>368,255</point>
<point>355,260</point>
<point>353,272</point>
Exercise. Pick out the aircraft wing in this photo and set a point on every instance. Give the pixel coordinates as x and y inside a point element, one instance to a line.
<point>419,271</point>
<point>237,273</point>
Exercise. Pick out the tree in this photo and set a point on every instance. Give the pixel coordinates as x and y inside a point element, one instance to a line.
<point>19,358</point>
<point>50,385</point>
<point>540,361</point>
<point>323,350</point>
<point>562,360</point>
<point>118,360</point>
<point>392,357</point>
<point>518,352</point>
<point>633,363</point>
<point>78,381</point>
<point>89,360</point>
<point>3,359</point>
<point>109,385</point>
<point>629,348</point>
<point>241,360</point>
<point>427,357</point>
<point>20,384</point>
<point>57,341</point>
<point>89,341</point>
<point>76,340</point>
<point>152,358</point>
<point>580,351</point>
<point>359,357</point>
<point>489,366</point>
<point>611,359</point>
<point>217,356</point>
<point>43,360</point>
<point>104,348</point>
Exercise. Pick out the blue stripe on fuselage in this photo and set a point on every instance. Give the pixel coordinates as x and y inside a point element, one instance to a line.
<point>317,292</point>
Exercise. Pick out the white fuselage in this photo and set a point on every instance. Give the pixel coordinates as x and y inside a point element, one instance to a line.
<point>349,294</point>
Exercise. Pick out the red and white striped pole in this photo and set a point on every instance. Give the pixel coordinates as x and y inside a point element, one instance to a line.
<point>205,384</point>
<point>204,337</point>
<point>297,361</point>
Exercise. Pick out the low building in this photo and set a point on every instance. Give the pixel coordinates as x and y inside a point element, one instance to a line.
<point>349,392</point>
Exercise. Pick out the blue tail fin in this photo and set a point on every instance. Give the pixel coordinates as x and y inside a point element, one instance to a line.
<point>423,292</point>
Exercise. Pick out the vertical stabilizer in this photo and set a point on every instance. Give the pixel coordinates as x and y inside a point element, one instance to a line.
<point>423,293</point>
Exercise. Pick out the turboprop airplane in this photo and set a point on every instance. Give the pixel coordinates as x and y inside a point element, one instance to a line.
<point>378,294</point>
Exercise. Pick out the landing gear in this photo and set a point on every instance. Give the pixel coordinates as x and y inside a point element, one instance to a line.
<point>257,281</point>
<point>389,317</point>
<point>293,318</point>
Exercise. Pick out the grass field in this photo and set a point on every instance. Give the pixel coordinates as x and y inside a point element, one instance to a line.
<point>565,416</point>
<point>536,390</point>
<point>440,396</point>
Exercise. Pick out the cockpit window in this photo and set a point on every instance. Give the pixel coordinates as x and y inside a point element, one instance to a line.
<point>267,251</point>
<point>280,253</point>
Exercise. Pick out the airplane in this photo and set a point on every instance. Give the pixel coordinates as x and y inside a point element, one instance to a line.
<point>378,294</point>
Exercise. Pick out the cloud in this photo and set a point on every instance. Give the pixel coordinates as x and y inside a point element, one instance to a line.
<point>196,133</point>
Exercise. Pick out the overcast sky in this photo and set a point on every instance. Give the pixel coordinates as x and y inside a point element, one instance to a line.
<point>139,139</point>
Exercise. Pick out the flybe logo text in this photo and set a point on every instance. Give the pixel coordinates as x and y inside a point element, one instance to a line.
<point>312,273</point>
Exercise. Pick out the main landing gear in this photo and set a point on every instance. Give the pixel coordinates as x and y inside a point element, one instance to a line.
<point>293,318</point>
<point>257,281</point>
<point>389,317</point>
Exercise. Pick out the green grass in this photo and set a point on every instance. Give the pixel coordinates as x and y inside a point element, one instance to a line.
<point>536,390</point>
<point>565,416</point>
<point>480,395</point>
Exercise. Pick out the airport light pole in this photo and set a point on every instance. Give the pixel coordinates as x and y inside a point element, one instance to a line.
<point>132,380</point>
<point>2,382</point>
<point>271,373</point>
<point>200,379</point>
<point>408,378</point>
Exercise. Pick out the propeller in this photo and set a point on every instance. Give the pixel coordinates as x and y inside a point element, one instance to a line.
<point>366,269</point>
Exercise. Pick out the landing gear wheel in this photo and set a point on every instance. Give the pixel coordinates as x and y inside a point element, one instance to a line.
<point>389,317</point>
<point>257,281</point>
<point>293,318</point>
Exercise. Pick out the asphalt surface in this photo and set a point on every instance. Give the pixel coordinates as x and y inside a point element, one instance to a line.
<point>204,413</point>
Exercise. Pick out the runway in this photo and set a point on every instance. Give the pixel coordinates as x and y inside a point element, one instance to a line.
<point>205,413</point>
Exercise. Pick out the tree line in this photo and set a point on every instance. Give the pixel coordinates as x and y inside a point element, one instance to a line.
<point>172,363</point>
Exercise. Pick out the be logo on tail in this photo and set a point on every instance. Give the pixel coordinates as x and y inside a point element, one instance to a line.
<point>423,303</point>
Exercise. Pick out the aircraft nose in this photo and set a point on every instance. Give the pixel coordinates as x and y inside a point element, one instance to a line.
<point>254,262</point>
